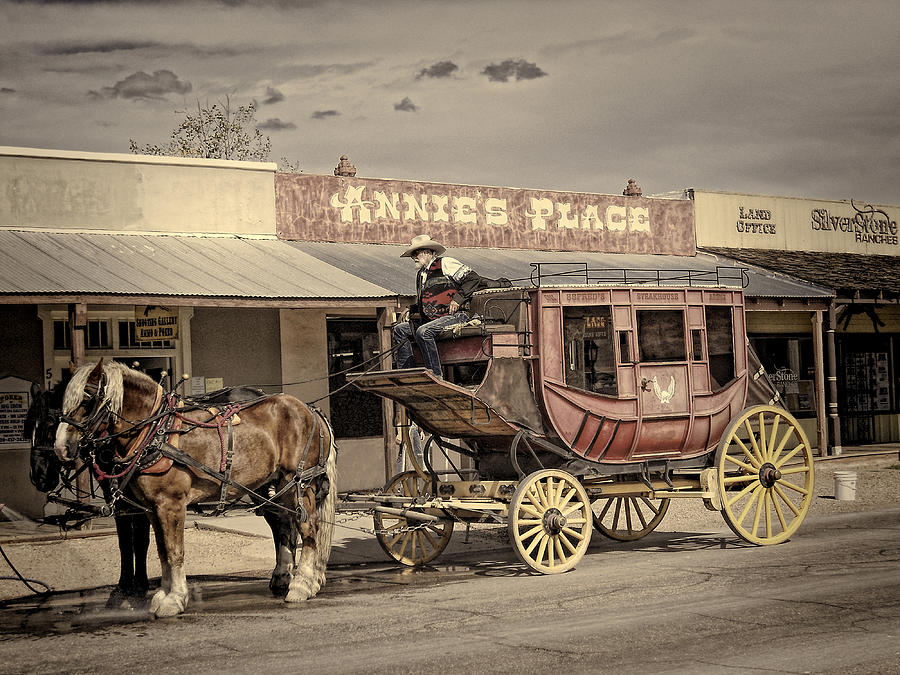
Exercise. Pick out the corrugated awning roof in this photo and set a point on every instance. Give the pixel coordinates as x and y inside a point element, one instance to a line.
<point>846,272</point>
<point>57,263</point>
<point>381,264</point>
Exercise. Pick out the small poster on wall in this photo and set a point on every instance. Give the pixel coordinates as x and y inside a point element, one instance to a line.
<point>15,399</point>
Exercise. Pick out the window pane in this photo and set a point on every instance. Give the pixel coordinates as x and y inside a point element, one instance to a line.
<point>697,345</point>
<point>590,351</point>
<point>661,335</point>
<point>354,413</point>
<point>625,346</point>
<point>721,345</point>
<point>61,334</point>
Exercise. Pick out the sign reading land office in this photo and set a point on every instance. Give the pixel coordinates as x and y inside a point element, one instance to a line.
<point>784,223</point>
<point>326,208</point>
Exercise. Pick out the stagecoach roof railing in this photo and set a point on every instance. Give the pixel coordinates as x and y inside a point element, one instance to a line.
<point>555,273</point>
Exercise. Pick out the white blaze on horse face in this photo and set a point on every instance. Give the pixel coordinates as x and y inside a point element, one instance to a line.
<point>64,444</point>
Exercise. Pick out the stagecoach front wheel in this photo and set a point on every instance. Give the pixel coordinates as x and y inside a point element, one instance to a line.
<point>628,518</point>
<point>765,474</point>
<point>410,542</point>
<point>550,521</point>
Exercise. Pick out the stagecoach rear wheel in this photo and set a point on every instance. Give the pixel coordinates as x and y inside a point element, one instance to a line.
<point>628,518</point>
<point>550,521</point>
<point>410,542</point>
<point>765,474</point>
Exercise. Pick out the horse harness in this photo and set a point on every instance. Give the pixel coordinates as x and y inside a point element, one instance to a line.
<point>155,448</point>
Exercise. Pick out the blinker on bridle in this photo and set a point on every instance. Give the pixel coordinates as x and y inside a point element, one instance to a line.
<point>89,425</point>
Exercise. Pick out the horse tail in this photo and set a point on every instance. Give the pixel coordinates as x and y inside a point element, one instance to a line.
<point>326,507</point>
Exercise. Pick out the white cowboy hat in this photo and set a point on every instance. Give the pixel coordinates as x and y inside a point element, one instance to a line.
<point>423,241</point>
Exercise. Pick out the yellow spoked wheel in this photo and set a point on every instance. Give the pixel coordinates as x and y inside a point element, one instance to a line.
<point>550,521</point>
<point>766,474</point>
<point>628,518</point>
<point>410,542</point>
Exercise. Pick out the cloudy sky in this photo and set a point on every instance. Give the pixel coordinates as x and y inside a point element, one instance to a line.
<point>788,97</point>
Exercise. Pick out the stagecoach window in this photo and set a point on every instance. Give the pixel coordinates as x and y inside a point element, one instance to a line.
<point>625,347</point>
<point>720,344</point>
<point>697,345</point>
<point>354,413</point>
<point>590,359</point>
<point>661,335</point>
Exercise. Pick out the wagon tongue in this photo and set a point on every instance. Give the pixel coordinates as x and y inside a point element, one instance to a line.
<point>438,406</point>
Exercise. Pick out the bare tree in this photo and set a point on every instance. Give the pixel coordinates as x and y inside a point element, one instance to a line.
<point>216,132</point>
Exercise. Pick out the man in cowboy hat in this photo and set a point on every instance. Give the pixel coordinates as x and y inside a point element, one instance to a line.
<point>443,287</point>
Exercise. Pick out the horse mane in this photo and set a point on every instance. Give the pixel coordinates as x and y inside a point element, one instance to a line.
<point>116,375</point>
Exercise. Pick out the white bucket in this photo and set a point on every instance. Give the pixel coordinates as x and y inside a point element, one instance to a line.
<point>845,485</point>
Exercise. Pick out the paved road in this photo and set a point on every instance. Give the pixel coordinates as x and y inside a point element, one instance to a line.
<point>826,602</point>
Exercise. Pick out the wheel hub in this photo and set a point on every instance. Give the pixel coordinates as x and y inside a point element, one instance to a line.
<point>554,521</point>
<point>769,475</point>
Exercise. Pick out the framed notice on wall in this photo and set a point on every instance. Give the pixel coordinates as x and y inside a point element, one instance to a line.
<point>15,399</point>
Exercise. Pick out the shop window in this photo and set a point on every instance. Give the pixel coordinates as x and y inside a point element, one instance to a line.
<point>660,334</point>
<point>352,344</point>
<point>590,349</point>
<point>788,361</point>
<point>128,338</point>
<point>97,335</point>
<point>720,345</point>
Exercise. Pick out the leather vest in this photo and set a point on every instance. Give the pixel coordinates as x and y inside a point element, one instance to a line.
<point>436,292</point>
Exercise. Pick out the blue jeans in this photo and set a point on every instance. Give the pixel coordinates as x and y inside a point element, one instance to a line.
<point>424,335</point>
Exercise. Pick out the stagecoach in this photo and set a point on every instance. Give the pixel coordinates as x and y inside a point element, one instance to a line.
<point>590,399</point>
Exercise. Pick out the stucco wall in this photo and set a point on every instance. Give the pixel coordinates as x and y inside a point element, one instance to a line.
<point>239,345</point>
<point>305,350</point>
<point>52,189</point>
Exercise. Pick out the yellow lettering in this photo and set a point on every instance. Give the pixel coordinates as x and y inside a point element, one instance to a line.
<point>464,210</point>
<point>495,211</point>
<point>416,209</point>
<point>541,209</point>
<point>441,213</point>
<point>615,218</point>
<point>566,220</point>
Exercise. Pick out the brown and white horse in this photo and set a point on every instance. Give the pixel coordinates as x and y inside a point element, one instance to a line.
<point>282,450</point>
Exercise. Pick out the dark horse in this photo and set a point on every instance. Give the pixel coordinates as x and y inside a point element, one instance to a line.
<point>278,448</point>
<point>132,526</point>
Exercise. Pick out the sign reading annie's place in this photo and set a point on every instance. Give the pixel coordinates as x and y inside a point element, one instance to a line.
<point>785,223</point>
<point>328,208</point>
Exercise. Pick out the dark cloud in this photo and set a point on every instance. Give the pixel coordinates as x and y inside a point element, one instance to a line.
<point>272,96</point>
<point>73,48</point>
<point>140,85</point>
<point>324,114</point>
<point>517,68</point>
<point>7,90</point>
<point>439,69</point>
<point>406,105</point>
<point>275,124</point>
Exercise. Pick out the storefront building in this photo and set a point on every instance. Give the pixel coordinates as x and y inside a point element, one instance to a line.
<point>233,274</point>
<point>845,245</point>
<point>173,264</point>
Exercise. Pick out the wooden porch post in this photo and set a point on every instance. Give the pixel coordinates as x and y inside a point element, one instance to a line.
<point>387,406</point>
<point>77,331</point>
<point>819,366</point>
<point>834,419</point>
